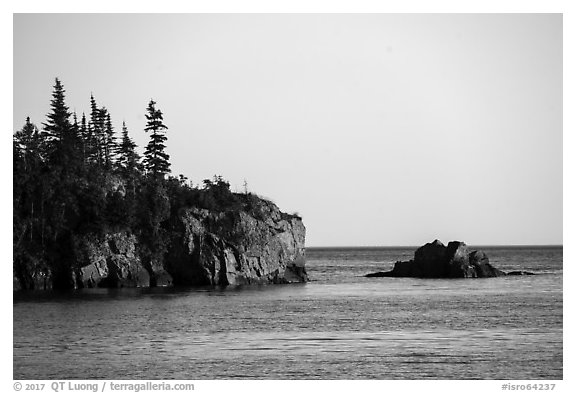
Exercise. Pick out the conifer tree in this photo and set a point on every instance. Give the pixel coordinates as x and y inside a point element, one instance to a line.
<point>28,144</point>
<point>109,140</point>
<point>83,126</point>
<point>127,156</point>
<point>156,159</point>
<point>63,139</point>
<point>75,133</point>
<point>93,109</point>
<point>58,125</point>
<point>91,148</point>
<point>85,136</point>
<point>24,137</point>
<point>97,123</point>
<point>92,130</point>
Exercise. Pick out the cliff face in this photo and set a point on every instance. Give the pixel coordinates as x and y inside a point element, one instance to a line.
<point>237,248</point>
<point>111,261</point>
<point>263,245</point>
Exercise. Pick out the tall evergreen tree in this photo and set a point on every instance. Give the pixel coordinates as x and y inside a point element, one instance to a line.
<point>85,136</point>
<point>58,125</point>
<point>97,122</point>
<point>109,140</point>
<point>64,142</point>
<point>83,126</point>
<point>91,144</point>
<point>75,132</point>
<point>156,159</point>
<point>127,156</point>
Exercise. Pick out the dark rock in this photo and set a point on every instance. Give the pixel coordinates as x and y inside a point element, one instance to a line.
<point>403,269</point>
<point>204,248</point>
<point>110,262</point>
<point>235,248</point>
<point>457,261</point>
<point>519,273</point>
<point>478,258</point>
<point>31,274</point>
<point>434,260</point>
<point>429,261</point>
<point>430,252</point>
<point>380,274</point>
<point>487,270</point>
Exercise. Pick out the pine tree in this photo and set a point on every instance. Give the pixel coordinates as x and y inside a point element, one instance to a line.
<point>129,168</point>
<point>24,137</point>
<point>76,134</point>
<point>97,123</point>
<point>83,126</point>
<point>58,125</point>
<point>156,159</point>
<point>28,144</point>
<point>85,136</point>
<point>92,130</point>
<point>64,141</point>
<point>127,156</point>
<point>109,140</point>
<point>93,109</point>
<point>91,144</point>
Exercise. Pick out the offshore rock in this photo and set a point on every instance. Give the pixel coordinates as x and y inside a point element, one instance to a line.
<point>234,247</point>
<point>435,260</point>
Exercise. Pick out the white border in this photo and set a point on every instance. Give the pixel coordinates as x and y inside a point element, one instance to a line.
<point>306,6</point>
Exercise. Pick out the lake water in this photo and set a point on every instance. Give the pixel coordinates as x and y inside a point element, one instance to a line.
<point>340,325</point>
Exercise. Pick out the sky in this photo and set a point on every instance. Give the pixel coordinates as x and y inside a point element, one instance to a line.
<point>378,129</point>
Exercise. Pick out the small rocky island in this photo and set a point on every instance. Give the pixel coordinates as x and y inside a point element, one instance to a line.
<point>435,260</point>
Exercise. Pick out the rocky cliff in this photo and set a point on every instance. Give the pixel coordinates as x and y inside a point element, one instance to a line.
<point>235,247</point>
<point>435,260</point>
<point>260,245</point>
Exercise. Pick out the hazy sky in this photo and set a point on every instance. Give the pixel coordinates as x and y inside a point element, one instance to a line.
<point>379,129</point>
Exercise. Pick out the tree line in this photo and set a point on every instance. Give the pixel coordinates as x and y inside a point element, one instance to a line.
<point>77,177</point>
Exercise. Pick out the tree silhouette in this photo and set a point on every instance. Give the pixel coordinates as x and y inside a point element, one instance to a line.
<point>58,126</point>
<point>27,144</point>
<point>109,140</point>
<point>85,136</point>
<point>128,158</point>
<point>97,124</point>
<point>64,143</point>
<point>156,159</point>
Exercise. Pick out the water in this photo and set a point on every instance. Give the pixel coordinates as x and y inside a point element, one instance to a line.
<point>338,326</point>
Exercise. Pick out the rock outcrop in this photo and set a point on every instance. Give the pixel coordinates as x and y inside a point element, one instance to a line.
<point>111,261</point>
<point>236,247</point>
<point>435,260</point>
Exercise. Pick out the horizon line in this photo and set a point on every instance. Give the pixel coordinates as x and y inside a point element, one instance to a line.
<point>469,245</point>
